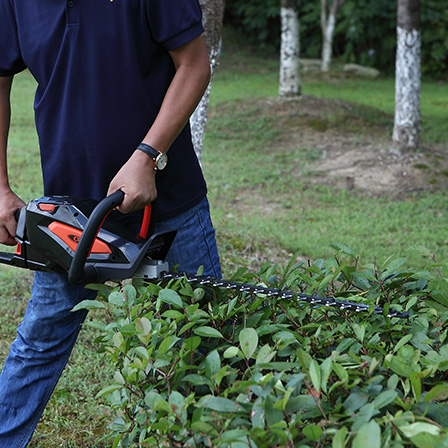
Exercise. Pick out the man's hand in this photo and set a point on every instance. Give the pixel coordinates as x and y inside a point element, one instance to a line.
<point>9,204</point>
<point>137,180</point>
<point>137,176</point>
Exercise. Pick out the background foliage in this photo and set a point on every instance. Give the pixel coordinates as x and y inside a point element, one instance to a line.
<point>213,368</point>
<point>365,32</point>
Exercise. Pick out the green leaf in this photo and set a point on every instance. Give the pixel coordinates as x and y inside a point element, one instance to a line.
<point>191,344</point>
<point>108,389</point>
<point>207,332</point>
<point>142,351</point>
<point>315,375</point>
<point>313,432</point>
<point>355,401</point>
<point>197,380</point>
<point>257,413</point>
<point>218,404</point>
<point>177,402</point>
<point>117,299</point>
<point>425,440</point>
<point>325,370</point>
<point>416,428</point>
<point>130,293</point>
<point>385,398</point>
<point>401,368</point>
<point>212,364</point>
<point>248,341</point>
<point>404,340</point>
<point>118,339</point>
<point>304,358</point>
<point>151,398</point>
<point>99,287</point>
<point>202,427</point>
<point>265,354</point>
<point>369,436</point>
<point>340,371</point>
<point>235,435</point>
<point>172,314</point>
<point>166,344</point>
<point>341,247</point>
<point>359,330</point>
<point>280,366</point>
<point>231,352</point>
<point>364,415</point>
<point>339,438</point>
<point>199,294</point>
<point>170,297</point>
<point>89,305</point>
<point>416,384</point>
<point>143,326</point>
<point>437,393</point>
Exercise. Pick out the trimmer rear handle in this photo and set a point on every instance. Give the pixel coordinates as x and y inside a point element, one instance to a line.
<point>78,273</point>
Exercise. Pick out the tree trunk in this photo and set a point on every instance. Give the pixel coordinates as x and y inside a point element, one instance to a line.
<point>328,25</point>
<point>290,50</point>
<point>213,13</point>
<point>408,76</point>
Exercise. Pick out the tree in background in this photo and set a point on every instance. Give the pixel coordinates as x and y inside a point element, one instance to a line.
<point>213,13</point>
<point>406,132</point>
<point>328,15</point>
<point>289,49</point>
<point>365,31</point>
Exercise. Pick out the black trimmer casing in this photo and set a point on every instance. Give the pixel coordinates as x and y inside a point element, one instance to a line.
<point>76,236</point>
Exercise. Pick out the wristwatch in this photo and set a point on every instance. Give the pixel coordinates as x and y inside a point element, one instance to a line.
<point>160,158</point>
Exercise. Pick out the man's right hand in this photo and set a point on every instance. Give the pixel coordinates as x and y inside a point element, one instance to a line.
<point>9,204</point>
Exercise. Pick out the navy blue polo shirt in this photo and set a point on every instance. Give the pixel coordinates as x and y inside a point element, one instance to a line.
<point>102,68</point>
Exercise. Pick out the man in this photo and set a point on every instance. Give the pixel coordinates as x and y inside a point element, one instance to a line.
<point>113,76</point>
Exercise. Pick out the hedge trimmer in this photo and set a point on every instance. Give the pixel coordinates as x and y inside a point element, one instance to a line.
<point>78,237</point>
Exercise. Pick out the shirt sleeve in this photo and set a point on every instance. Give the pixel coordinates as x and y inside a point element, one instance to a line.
<point>174,22</point>
<point>11,61</point>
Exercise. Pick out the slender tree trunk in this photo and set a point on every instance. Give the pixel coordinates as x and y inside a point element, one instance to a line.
<point>328,25</point>
<point>213,13</point>
<point>408,76</point>
<point>290,50</point>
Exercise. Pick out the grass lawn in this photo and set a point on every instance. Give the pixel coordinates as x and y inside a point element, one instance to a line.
<point>263,208</point>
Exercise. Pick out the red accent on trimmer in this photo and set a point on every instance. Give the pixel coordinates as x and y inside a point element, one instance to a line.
<point>71,237</point>
<point>146,220</point>
<point>46,207</point>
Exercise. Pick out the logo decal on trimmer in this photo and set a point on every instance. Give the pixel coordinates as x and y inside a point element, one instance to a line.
<point>74,238</point>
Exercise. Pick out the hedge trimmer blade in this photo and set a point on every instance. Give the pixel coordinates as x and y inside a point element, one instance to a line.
<point>328,302</point>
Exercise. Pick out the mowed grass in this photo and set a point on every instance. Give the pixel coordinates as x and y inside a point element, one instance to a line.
<point>263,209</point>
<point>261,199</point>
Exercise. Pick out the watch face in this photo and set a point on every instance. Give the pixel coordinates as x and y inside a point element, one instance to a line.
<point>161,161</point>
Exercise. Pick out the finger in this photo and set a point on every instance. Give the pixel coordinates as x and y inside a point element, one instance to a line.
<point>11,224</point>
<point>6,238</point>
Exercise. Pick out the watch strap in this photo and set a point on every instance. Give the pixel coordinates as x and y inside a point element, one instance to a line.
<point>149,150</point>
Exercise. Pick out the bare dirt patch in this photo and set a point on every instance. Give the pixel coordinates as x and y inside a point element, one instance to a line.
<point>351,147</point>
<point>326,142</point>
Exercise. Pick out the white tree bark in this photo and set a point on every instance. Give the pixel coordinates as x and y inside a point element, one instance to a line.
<point>213,13</point>
<point>406,132</point>
<point>327,45</point>
<point>328,25</point>
<point>290,50</point>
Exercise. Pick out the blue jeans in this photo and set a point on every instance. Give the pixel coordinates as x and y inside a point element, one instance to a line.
<point>49,330</point>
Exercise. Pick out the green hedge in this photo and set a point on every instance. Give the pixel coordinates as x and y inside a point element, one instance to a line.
<point>206,367</point>
<point>365,32</point>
